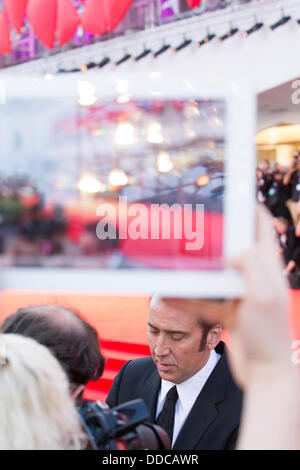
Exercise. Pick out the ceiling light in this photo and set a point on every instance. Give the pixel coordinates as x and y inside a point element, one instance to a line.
<point>124,134</point>
<point>118,178</point>
<point>164,163</point>
<point>154,135</point>
<point>202,180</point>
<point>123,99</point>
<point>90,185</point>
<point>86,92</point>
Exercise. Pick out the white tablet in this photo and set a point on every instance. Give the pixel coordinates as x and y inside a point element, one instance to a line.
<point>133,183</point>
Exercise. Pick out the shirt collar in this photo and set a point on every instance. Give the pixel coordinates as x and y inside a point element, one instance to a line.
<point>189,390</point>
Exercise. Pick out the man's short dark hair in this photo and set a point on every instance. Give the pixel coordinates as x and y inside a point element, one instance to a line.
<point>206,327</point>
<point>71,339</point>
<point>193,305</point>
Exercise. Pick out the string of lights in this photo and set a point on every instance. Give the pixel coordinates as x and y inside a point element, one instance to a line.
<point>186,42</point>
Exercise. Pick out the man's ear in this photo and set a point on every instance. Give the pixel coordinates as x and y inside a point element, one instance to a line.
<point>77,392</point>
<point>214,336</point>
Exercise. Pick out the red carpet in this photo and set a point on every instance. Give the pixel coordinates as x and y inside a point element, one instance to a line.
<point>119,320</point>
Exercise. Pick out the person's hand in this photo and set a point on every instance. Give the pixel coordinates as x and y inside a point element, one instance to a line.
<point>258,324</point>
<point>289,268</point>
<point>261,347</point>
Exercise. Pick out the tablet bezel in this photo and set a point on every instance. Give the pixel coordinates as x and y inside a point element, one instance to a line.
<point>239,195</point>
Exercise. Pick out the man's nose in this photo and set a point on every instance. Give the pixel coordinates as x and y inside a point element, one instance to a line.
<point>161,347</point>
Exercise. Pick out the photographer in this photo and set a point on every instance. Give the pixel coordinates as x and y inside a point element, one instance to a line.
<point>72,340</point>
<point>292,181</point>
<point>289,248</point>
<point>277,195</point>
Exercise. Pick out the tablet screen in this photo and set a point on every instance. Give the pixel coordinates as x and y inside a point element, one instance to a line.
<point>116,183</point>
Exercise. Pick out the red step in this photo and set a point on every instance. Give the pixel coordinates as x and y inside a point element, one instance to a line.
<point>95,395</point>
<point>134,348</point>
<point>116,354</point>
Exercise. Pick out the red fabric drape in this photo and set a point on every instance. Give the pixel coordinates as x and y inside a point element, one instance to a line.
<point>193,3</point>
<point>115,11</point>
<point>16,10</point>
<point>42,15</point>
<point>101,16</point>
<point>50,16</point>
<point>5,42</point>
<point>93,19</point>
<point>68,21</point>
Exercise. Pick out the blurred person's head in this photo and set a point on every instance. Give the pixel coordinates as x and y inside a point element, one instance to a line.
<point>281,225</point>
<point>277,175</point>
<point>36,409</point>
<point>265,165</point>
<point>180,341</point>
<point>297,155</point>
<point>72,340</point>
<point>259,173</point>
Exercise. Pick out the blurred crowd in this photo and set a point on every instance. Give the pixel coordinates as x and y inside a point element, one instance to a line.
<point>32,230</point>
<point>279,189</point>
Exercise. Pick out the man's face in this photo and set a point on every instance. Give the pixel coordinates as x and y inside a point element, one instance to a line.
<point>280,227</point>
<point>278,176</point>
<point>174,338</point>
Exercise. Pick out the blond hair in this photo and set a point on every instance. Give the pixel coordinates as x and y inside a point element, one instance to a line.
<point>36,409</point>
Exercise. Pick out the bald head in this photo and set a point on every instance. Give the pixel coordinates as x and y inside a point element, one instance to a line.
<point>57,315</point>
<point>72,340</point>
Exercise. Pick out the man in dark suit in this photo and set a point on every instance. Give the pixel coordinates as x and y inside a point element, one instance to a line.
<point>187,384</point>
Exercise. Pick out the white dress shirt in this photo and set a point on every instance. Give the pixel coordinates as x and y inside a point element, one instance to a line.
<point>188,392</point>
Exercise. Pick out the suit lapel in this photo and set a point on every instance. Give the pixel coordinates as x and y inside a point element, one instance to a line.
<point>204,410</point>
<point>151,390</point>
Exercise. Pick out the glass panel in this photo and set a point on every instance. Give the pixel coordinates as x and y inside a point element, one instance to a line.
<point>118,184</point>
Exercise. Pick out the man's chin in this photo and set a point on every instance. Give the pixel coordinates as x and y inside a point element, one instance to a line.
<point>166,372</point>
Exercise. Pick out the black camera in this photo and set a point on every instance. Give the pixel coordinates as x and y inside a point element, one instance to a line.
<point>124,427</point>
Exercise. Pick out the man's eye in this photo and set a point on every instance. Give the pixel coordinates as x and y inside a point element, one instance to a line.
<point>177,338</point>
<point>153,332</point>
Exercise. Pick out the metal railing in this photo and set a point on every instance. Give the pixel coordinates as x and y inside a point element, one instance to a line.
<point>143,14</point>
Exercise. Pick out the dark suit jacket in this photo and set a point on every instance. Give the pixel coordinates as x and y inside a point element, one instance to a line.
<point>291,249</point>
<point>214,419</point>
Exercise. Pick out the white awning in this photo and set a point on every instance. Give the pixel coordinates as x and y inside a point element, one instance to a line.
<point>268,58</point>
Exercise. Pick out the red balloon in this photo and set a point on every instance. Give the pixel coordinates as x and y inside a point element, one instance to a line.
<point>115,11</point>
<point>93,18</point>
<point>5,42</point>
<point>194,3</point>
<point>42,16</point>
<point>68,21</point>
<point>16,10</point>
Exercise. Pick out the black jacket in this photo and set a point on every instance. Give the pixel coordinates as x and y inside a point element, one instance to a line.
<point>291,248</point>
<point>214,419</point>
